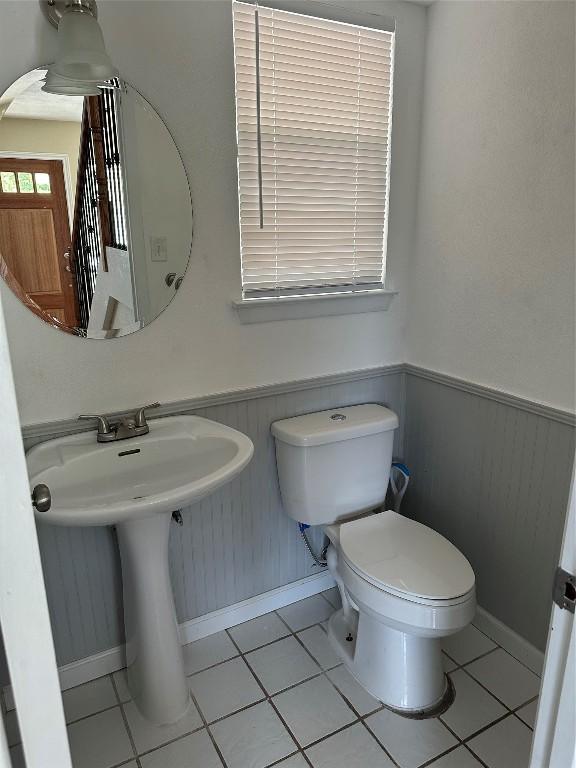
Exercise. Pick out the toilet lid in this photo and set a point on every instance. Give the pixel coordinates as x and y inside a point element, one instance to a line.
<point>396,553</point>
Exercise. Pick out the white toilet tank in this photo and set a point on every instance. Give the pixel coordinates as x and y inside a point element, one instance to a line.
<point>335,464</point>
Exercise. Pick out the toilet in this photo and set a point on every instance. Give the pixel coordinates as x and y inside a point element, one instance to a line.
<point>403,586</point>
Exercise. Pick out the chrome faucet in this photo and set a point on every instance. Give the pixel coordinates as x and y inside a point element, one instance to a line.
<point>124,428</point>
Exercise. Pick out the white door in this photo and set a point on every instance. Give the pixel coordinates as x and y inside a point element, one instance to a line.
<point>554,744</point>
<point>23,608</point>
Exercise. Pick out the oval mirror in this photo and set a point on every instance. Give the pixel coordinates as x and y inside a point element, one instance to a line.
<point>95,208</point>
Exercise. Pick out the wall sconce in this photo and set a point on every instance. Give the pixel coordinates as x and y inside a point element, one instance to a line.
<point>82,61</point>
<point>63,86</point>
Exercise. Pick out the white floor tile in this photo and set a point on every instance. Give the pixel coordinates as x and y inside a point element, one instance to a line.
<point>505,745</point>
<point>147,736</point>
<point>360,699</point>
<point>204,653</point>
<point>194,751</point>
<point>313,709</point>
<point>81,701</point>
<point>296,761</point>
<point>506,678</point>
<point>100,741</point>
<point>528,713</point>
<point>458,758</point>
<point>316,641</point>
<point>333,597</point>
<point>448,664</point>
<point>473,707</point>
<point>252,634</point>
<point>312,610</point>
<point>225,689</point>
<point>354,747</point>
<point>467,645</point>
<point>253,738</point>
<point>88,699</point>
<point>410,742</point>
<point>282,664</point>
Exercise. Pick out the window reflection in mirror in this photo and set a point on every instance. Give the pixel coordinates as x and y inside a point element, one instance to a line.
<point>95,207</point>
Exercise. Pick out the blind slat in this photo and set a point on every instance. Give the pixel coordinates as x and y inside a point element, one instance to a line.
<point>313,128</point>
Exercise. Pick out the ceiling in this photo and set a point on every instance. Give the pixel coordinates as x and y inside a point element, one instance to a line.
<point>25,99</point>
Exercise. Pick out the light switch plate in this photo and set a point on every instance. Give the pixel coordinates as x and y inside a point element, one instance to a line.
<point>159,248</point>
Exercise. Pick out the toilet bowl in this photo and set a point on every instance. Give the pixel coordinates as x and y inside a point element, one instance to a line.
<point>403,588</point>
<point>403,585</point>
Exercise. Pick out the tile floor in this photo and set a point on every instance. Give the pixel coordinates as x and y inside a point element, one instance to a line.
<point>271,692</point>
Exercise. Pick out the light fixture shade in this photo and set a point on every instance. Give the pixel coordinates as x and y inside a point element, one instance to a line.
<point>82,54</point>
<point>63,86</point>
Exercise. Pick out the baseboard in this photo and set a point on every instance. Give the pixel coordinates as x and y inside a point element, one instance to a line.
<point>238,613</point>
<point>92,667</point>
<point>111,660</point>
<point>516,646</point>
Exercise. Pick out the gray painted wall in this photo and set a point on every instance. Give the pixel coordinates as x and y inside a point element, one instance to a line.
<point>491,476</point>
<point>494,479</point>
<point>233,545</point>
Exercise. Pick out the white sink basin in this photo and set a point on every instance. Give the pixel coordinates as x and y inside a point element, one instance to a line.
<point>137,484</point>
<point>181,460</point>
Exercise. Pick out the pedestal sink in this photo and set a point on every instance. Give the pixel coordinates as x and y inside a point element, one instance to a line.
<point>137,484</point>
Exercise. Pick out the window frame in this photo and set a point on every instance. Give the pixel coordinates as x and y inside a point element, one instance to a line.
<point>317,301</point>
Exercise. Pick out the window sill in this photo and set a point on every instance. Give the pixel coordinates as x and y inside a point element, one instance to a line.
<point>297,307</point>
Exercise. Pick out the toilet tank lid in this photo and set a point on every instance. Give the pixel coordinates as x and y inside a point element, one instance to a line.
<point>335,425</point>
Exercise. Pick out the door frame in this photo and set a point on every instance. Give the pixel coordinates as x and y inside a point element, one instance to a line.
<point>26,630</point>
<point>553,744</point>
<point>67,172</point>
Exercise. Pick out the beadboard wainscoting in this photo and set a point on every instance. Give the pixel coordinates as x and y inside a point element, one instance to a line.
<point>492,473</point>
<point>233,545</point>
<point>488,470</point>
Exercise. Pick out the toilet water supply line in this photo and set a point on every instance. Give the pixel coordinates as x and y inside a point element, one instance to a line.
<point>399,479</point>
<point>320,559</point>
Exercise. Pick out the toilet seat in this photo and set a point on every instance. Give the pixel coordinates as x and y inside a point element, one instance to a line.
<point>405,558</point>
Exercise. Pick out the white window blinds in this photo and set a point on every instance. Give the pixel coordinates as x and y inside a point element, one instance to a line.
<point>313,106</point>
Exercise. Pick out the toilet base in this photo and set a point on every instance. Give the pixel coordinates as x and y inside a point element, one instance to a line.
<point>403,671</point>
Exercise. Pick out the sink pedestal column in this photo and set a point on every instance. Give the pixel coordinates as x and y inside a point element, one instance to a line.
<point>154,658</point>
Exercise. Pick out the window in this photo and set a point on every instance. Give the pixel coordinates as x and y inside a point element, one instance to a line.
<point>313,105</point>
<point>28,182</point>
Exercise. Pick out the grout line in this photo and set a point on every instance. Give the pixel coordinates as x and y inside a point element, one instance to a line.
<point>128,731</point>
<point>470,661</point>
<point>476,756</point>
<point>300,749</point>
<point>470,675</point>
<point>288,757</point>
<point>258,647</point>
<point>442,754</point>
<point>486,727</point>
<point>517,716</point>
<point>382,747</point>
<point>125,719</point>
<point>508,652</point>
<point>371,732</point>
<point>127,762</point>
<point>217,664</point>
<point>180,736</point>
<point>208,731</point>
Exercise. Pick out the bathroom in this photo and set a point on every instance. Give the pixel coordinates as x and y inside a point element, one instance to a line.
<point>467,339</point>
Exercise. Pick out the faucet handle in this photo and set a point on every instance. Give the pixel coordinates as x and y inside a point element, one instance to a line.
<point>103,423</point>
<point>140,415</point>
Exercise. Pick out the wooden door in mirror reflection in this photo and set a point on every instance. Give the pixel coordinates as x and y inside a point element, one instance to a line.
<point>35,242</point>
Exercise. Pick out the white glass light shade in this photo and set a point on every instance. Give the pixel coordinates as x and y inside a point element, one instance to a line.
<point>63,86</point>
<point>81,51</point>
